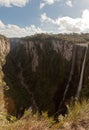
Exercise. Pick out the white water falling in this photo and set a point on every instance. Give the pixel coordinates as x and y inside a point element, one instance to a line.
<point>81,75</point>
<point>71,74</point>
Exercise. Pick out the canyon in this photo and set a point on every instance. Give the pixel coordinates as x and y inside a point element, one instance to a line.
<point>43,72</point>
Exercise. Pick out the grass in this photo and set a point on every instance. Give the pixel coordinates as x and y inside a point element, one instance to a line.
<point>77,112</point>
<point>78,116</point>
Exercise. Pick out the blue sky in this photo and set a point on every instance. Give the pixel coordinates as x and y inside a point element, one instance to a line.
<point>27,17</point>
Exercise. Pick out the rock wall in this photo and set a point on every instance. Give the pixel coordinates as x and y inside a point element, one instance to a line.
<point>4,50</point>
<point>44,62</point>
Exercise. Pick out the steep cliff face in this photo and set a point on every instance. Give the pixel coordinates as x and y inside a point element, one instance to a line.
<point>44,71</point>
<point>4,50</point>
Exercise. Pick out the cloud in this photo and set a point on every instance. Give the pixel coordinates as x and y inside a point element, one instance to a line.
<point>11,30</point>
<point>68,24</point>
<point>9,3</point>
<point>1,24</point>
<point>50,2</point>
<point>47,2</point>
<point>59,25</point>
<point>69,3</point>
<point>46,19</point>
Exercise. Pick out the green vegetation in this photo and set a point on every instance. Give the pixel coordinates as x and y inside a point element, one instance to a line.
<point>77,118</point>
<point>74,38</point>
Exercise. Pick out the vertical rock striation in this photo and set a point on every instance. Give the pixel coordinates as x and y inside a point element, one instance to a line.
<point>4,50</point>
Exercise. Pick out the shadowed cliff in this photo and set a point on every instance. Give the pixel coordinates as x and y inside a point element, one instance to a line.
<point>43,73</point>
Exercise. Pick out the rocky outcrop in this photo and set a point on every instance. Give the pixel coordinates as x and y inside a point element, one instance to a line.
<point>4,50</point>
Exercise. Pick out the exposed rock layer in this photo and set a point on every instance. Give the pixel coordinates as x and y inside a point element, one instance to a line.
<point>4,50</point>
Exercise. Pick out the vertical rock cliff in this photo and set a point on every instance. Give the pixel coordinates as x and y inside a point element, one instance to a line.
<point>4,50</point>
<point>44,71</point>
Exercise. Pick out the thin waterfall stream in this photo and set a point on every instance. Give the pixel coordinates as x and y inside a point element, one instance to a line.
<point>71,74</point>
<point>82,74</point>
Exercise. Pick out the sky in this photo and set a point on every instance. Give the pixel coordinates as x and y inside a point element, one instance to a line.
<point>19,18</point>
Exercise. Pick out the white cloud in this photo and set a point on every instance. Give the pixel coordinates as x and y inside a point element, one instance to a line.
<point>50,2</point>
<point>58,25</point>
<point>69,3</point>
<point>1,24</point>
<point>9,3</point>
<point>46,19</point>
<point>11,30</point>
<point>68,24</point>
<point>47,2</point>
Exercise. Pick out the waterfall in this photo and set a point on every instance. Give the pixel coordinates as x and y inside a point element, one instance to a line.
<point>82,74</point>
<point>71,74</point>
